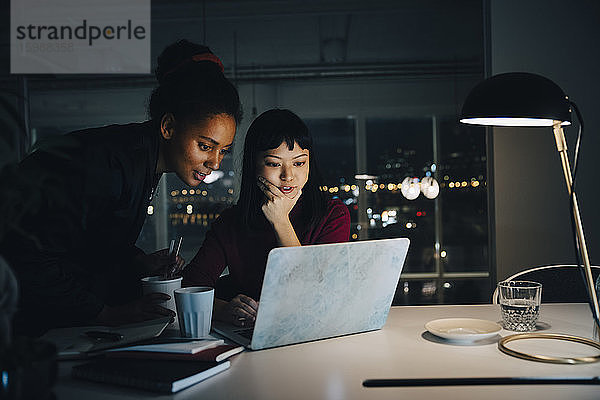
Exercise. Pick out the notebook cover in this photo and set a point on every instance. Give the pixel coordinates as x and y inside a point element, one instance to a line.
<point>72,343</point>
<point>218,353</point>
<point>166,376</point>
<point>190,347</point>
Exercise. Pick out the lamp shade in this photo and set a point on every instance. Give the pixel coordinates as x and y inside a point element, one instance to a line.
<point>516,99</point>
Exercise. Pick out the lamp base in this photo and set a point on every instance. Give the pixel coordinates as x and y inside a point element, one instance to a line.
<point>549,359</point>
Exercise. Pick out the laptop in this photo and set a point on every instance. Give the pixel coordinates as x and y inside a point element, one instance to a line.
<point>321,291</point>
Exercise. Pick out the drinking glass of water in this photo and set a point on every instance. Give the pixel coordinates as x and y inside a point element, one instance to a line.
<point>520,304</point>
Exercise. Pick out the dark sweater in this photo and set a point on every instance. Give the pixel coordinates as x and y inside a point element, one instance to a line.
<point>227,244</point>
<point>95,186</point>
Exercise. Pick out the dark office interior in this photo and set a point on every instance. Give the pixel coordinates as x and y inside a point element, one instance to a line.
<point>380,84</point>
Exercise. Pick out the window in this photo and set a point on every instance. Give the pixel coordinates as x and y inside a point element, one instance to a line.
<point>178,210</point>
<point>335,153</point>
<point>425,179</point>
<point>399,154</point>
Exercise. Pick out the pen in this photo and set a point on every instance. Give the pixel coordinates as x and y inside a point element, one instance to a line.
<point>174,253</point>
<point>592,380</point>
<point>178,246</point>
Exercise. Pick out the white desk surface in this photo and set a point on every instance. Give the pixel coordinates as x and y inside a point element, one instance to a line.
<point>335,368</point>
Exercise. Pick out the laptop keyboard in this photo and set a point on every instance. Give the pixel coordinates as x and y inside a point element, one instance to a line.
<point>246,332</point>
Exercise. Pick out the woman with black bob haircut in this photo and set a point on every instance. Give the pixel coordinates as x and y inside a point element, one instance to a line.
<point>280,205</point>
<point>270,130</point>
<point>75,259</point>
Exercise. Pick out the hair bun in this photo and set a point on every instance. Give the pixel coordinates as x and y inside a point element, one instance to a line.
<point>177,56</point>
<point>192,85</point>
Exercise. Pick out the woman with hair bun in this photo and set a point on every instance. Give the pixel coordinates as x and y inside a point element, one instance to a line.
<point>76,260</point>
<point>280,205</point>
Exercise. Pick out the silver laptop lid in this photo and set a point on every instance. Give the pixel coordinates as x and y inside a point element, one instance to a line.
<point>320,291</point>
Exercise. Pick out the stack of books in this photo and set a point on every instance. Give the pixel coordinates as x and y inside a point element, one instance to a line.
<point>167,366</point>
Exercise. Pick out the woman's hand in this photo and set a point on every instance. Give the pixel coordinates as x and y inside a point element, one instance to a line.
<point>142,309</point>
<point>277,205</point>
<point>277,209</point>
<point>159,263</point>
<point>240,311</point>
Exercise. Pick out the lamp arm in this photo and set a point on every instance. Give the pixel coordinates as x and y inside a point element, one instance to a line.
<point>578,142</point>
<point>561,145</point>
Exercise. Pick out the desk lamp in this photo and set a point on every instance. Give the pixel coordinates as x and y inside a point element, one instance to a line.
<point>529,100</point>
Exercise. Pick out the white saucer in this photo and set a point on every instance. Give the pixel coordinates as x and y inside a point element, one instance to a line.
<point>463,329</point>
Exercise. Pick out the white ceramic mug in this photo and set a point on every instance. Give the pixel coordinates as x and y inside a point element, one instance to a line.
<point>194,310</point>
<point>157,284</point>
